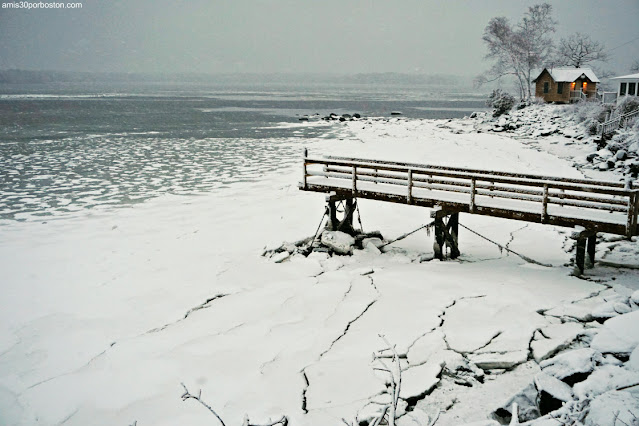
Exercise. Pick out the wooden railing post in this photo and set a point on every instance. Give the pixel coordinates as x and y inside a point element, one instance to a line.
<point>410,186</point>
<point>631,223</point>
<point>305,171</point>
<point>544,208</point>
<point>354,180</point>
<point>472,195</point>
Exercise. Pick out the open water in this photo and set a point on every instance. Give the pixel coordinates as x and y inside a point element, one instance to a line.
<point>69,148</point>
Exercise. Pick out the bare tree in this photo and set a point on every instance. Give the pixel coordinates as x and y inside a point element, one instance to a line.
<point>518,50</point>
<point>534,31</point>
<point>635,66</point>
<point>579,49</point>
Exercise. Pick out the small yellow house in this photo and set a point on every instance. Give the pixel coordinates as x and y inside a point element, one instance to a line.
<point>566,84</point>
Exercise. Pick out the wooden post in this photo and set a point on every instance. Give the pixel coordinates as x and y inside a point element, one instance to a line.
<point>580,256</point>
<point>332,216</point>
<point>354,180</point>
<point>590,249</point>
<point>410,186</point>
<point>544,208</point>
<point>453,226</point>
<point>438,244</point>
<point>346,224</point>
<point>472,195</point>
<point>305,172</point>
<point>632,212</point>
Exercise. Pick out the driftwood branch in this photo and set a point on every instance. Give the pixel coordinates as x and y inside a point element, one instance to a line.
<point>188,395</point>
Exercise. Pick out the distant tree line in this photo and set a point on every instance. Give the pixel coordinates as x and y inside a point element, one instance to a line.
<point>517,50</point>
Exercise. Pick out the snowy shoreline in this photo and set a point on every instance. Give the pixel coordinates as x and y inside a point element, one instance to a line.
<point>103,317</point>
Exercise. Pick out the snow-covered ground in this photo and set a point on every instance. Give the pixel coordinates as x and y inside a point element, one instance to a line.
<point>102,317</point>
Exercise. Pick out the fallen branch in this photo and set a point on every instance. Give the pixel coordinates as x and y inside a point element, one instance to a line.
<point>187,395</point>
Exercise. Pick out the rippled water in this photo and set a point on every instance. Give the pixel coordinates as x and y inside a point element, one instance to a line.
<point>66,149</point>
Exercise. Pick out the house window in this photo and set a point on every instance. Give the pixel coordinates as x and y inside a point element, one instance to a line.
<point>622,89</point>
<point>584,86</point>
<point>631,88</point>
<point>546,86</point>
<point>560,88</point>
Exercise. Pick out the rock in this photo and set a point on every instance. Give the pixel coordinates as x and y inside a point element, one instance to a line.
<point>377,242</point>
<point>303,119</point>
<point>419,381</point>
<point>396,113</point>
<point>526,400</point>
<point>473,115</point>
<point>619,335</point>
<point>633,362</point>
<point>340,242</point>
<point>489,361</point>
<point>604,379</point>
<point>480,423</point>
<point>552,393</point>
<point>280,257</point>
<point>590,157</point>
<point>604,165</point>
<point>357,115</point>
<point>635,297</point>
<point>370,247</point>
<point>620,155</point>
<point>621,308</point>
<point>613,408</point>
<point>572,366</point>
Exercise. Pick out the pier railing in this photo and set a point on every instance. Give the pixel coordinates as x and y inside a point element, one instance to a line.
<point>601,206</point>
<point>618,121</point>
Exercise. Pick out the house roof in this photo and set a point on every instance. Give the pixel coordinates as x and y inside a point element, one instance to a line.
<point>629,77</point>
<point>569,74</point>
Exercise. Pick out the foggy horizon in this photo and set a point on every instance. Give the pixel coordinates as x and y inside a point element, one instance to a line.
<point>290,37</point>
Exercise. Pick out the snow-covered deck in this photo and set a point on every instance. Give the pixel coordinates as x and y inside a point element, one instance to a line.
<point>599,206</point>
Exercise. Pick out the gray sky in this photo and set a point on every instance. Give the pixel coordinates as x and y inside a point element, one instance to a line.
<point>425,36</point>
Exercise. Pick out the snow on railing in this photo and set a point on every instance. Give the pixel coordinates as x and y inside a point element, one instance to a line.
<point>601,205</point>
<point>616,121</point>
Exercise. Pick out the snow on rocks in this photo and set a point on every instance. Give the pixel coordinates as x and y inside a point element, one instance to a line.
<point>619,335</point>
<point>568,364</point>
<point>340,242</point>
<point>613,408</point>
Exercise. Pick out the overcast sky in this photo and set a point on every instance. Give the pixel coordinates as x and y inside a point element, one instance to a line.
<point>211,36</point>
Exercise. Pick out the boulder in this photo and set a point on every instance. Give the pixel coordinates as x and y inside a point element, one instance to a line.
<point>552,393</point>
<point>572,366</point>
<point>619,335</point>
<point>340,242</point>
<point>590,157</point>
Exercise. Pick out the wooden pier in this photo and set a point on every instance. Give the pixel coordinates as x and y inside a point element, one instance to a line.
<point>589,206</point>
